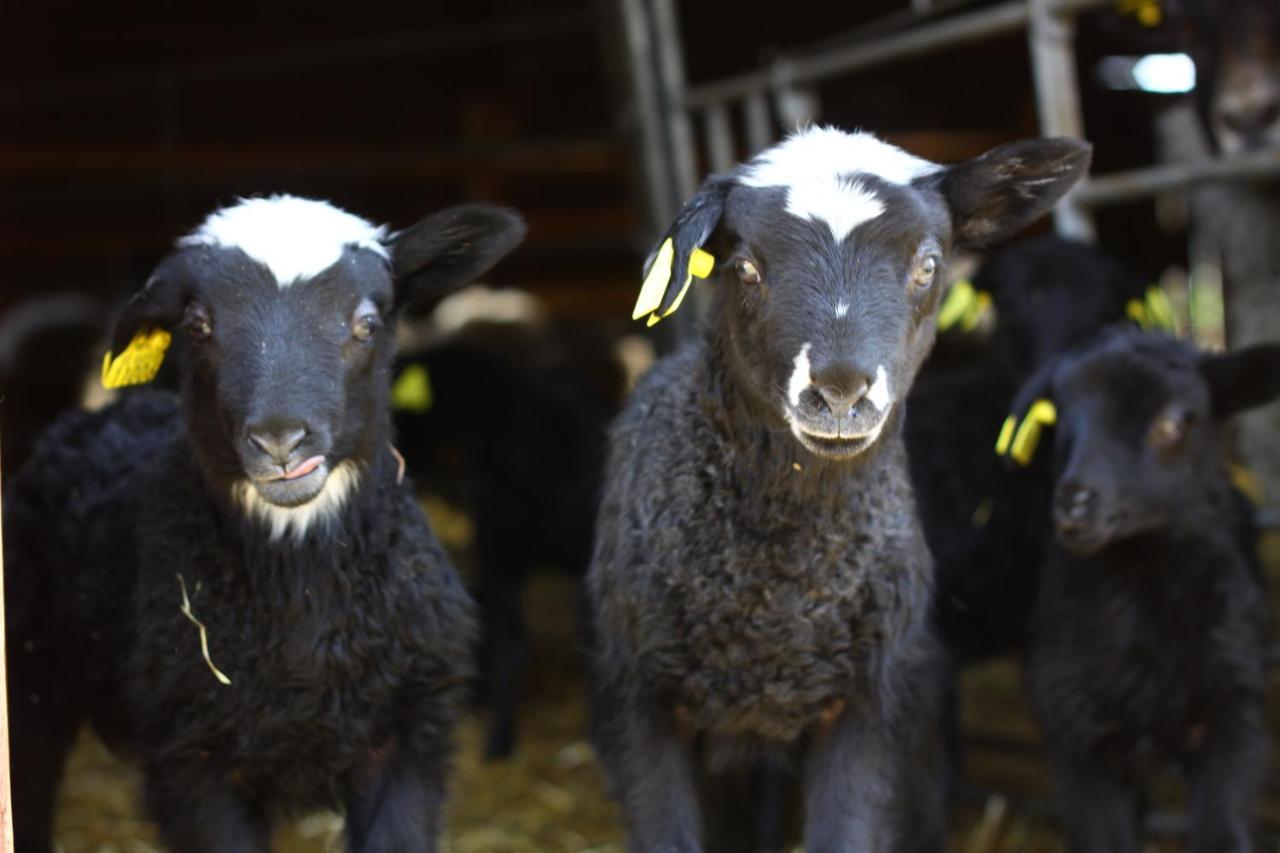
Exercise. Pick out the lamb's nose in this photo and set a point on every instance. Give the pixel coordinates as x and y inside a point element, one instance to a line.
<point>1075,504</point>
<point>278,442</point>
<point>840,385</point>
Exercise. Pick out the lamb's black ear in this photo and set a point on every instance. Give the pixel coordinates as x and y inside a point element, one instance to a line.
<point>1243,379</point>
<point>450,249</point>
<point>161,302</point>
<point>140,333</point>
<point>678,258</point>
<point>1010,186</point>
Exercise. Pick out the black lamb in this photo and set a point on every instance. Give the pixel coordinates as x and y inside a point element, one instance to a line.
<point>259,511</point>
<point>516,424</point>
<point>1149,637</point>
<point>761,588</point>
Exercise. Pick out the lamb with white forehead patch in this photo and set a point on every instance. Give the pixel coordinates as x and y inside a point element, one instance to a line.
<point>235,583</point>
<point>760,585</point>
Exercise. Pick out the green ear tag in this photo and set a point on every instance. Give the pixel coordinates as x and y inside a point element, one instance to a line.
<point>140,361</point>
<point>411,392</point>
<point>1041,414</point>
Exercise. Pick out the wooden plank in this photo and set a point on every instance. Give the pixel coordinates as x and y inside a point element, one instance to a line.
<point>6,807</point>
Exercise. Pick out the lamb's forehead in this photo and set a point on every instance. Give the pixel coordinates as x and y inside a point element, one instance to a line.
<point>824,171</point>
<point>295,238</point>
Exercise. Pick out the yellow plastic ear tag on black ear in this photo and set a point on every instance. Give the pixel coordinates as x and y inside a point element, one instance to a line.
<point>1019,440</point>
<point>411,392</point>
<point>957,304</point>
<point>1147,12</point>
<point>658,279</point>
<point>1160,310</point>
<point>140,361</point>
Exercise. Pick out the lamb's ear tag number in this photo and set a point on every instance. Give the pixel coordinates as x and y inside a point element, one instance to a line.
<point>1018,440</point>
<point>658,280</point>
<point>411,392</point>
<point>140,361</point>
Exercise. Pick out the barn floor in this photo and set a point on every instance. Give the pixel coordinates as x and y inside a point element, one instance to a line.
<point>549,796</point>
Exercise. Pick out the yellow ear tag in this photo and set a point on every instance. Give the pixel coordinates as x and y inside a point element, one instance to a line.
<point>977,310</point>
<point>1160,310</point>
<point>1007,430</point>
<point>701,265</point>
<point>957,305</point>
<point>1041,414</point>
<point>655,281</point>
<point>140,361</point>
<point>411,392</point>
<point>1137,312</point>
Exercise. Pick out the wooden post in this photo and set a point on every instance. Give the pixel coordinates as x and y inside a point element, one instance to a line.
<point>6,808</point>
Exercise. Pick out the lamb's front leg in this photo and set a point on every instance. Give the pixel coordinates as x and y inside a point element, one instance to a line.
<point>398,808</point>
<point>205,814</point>
<point>1227,770</point>
<point>848,788</point>
<point>653,771</point>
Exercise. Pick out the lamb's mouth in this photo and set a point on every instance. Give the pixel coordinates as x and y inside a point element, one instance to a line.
<point>839,445</point>
<point>295,487</point>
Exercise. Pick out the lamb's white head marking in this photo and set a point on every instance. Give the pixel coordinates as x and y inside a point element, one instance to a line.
<point>297,520</point>
<point>880,394</point>
<point>799,376</point>
<point>820,169</point>
<point>295,238</point>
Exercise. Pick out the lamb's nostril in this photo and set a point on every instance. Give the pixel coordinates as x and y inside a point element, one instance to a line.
<point>1076,503</point>
<point>840,399</point>
<point>278,444</point>
<point>839,385</point>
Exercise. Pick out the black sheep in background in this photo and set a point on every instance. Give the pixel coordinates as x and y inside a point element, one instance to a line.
<point>513,430</point>
<point>1150,630</point>
<point>49,350</point>
<point>986,524</point>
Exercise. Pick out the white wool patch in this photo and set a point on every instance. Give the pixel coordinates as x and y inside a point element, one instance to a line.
<point>297,520</point>
<point>880,394</point>
<point>842,308</point>
<point>799,376</point>
<point>295,238</point>
<point>819,166</point>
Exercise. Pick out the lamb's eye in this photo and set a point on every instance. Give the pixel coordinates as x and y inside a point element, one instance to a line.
<point>747,272</point>
<point>198,324</point>
<point>1169,428</point>
<point>926,269</point>
<point>364,325</point>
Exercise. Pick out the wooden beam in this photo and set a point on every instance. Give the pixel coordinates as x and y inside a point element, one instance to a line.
<point>6,801</point>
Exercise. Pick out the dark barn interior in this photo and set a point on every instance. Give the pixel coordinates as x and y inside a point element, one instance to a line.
<point>121,128</point>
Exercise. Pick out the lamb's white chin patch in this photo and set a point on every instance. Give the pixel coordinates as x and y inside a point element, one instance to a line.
<point>295,238</point>
<point>297,520</point>
<point>819,167</point>
<point>799,376</point>
<point>880,394</point>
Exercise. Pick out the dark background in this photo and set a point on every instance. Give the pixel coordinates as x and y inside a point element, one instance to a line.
<point>121,127</point>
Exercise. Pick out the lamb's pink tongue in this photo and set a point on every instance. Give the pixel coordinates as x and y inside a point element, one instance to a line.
<point>304,468</point>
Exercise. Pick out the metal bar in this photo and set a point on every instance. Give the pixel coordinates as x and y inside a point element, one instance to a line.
<point>1119,187</point>
<point>1051,39</point>
<point>647,112</point>
<point>949,32</point>
<point>759,125</point>
<point>719,138</point>
<point>671,85</point>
